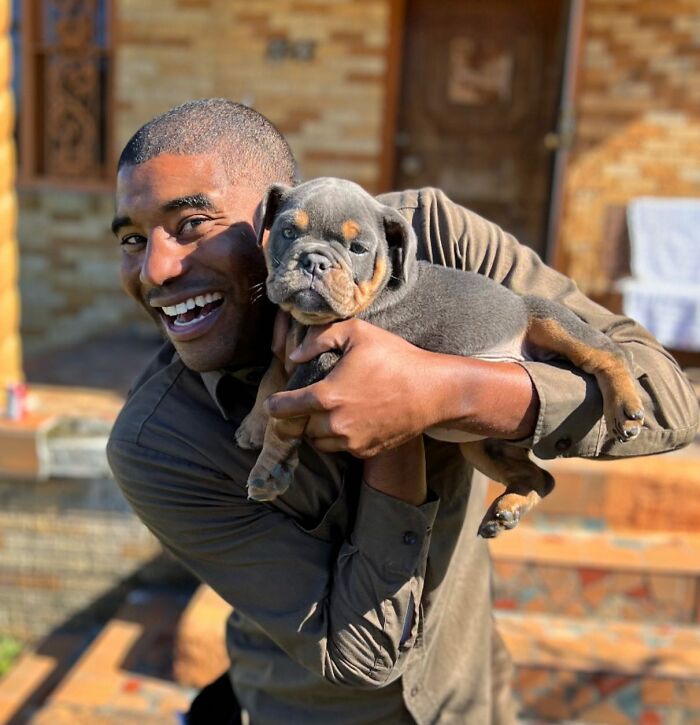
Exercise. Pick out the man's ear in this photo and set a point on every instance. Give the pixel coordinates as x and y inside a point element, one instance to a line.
<point>267,210</point>
<point>401,240</point>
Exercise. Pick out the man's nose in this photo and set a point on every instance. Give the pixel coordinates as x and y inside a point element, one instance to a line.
<point>164,259</point>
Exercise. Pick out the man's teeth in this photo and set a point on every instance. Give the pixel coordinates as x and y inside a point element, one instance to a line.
<point>191,302</point>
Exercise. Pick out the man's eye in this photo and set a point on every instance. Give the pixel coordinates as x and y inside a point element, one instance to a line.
<point>132,240</point>
<point>289,233</point>
<point>191,225</point>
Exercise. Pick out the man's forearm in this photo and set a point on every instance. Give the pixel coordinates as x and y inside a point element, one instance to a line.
<point>399,472</point>
<point>494,399</point>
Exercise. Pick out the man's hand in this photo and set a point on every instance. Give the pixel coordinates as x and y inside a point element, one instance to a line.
<point>385,391</point>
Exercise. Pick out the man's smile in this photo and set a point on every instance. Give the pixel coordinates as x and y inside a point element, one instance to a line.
<point>190,317</point>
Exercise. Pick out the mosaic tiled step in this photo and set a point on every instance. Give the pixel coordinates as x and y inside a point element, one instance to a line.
<point>556,696</point>
<point>633,576</point>
<point>586,645</point>
<point>657,493</point>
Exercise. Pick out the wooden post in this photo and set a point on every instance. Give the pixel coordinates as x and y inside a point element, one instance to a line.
<point>10,355</point>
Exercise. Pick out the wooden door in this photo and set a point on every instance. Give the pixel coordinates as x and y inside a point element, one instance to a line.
<point>479,93</point>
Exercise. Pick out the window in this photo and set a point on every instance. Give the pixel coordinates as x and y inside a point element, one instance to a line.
<point>63,81</point>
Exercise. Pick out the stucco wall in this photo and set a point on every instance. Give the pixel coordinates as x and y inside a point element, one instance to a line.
<point>638,122</point>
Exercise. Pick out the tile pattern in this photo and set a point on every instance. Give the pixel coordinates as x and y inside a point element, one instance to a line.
<point>588,592</point>
<point>610,699</point>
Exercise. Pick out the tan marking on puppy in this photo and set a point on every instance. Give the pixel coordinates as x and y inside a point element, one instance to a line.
<point>620,397</point>
<point>301,219</point>
<point>365,292</point>
<point>526,483</point>
<point>350,230</point>
<point>552,336</point>
<point>251,432</point>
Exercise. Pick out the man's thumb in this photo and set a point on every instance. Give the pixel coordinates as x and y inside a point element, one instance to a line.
<point>317,340</point>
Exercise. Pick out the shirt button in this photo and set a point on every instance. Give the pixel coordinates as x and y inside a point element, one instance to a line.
<point>410,538</point>
<point>414,690</point>
<point>563,444</point>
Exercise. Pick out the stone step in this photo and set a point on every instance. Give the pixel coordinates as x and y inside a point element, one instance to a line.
<point>656,493</point>
<point>200,651</point>
<point>632,575</point>
<point>37,672</point>
<point>63,433</point>
<point>587,645</point>
<point>125,674</point>
<point>603,671</point>
<point>565,696</point>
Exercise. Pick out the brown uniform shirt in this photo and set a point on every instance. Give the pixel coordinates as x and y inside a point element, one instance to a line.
<point>351,606</point>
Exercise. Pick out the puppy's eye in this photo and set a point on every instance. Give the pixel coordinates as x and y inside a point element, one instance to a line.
<point>357,248</point>
<point>288,233</point>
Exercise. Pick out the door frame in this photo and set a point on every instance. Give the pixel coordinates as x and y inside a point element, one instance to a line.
<point>573,49</point>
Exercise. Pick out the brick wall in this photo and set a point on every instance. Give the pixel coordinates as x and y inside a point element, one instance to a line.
<point>65,550</point>
<point>638,132</point>
<point>9,299</point>
<point>638,121</point>
<point>69,269</point>
<point>330,107</point>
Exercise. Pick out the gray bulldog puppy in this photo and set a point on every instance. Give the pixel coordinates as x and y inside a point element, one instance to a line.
<point>335,252</point>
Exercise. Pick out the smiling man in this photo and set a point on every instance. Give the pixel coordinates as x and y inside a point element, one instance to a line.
<point>361,595</point>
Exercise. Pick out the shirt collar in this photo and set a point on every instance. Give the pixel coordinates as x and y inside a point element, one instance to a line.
<point>217,383</point>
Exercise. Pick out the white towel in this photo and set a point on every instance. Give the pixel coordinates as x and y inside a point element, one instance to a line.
<point>663,293</point>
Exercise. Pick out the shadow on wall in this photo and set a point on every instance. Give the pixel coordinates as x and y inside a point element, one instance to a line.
<point>111,360</point>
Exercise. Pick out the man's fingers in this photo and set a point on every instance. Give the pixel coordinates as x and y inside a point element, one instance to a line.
<point>294,403</point>
<point>321,338</point>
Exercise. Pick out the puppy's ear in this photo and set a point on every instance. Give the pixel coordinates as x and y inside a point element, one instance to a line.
<point>267,210</point>
<point>401,241</point>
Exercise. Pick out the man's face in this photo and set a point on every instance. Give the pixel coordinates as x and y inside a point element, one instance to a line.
<point>190,257</point>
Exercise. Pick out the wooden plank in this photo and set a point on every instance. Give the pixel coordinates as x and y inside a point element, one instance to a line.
<point>631,551</point>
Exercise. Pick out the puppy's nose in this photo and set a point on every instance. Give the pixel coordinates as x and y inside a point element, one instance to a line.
<point>315,264</point>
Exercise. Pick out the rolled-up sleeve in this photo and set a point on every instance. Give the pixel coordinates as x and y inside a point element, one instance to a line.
<point>570,421</point>
<point>348,613</point>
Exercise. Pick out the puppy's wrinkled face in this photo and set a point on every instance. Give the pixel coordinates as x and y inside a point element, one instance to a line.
<point>326,252</point>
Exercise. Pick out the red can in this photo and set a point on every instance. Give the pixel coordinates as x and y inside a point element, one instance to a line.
<point>16,401</point>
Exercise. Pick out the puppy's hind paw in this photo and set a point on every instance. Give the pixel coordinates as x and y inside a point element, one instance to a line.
<point>251,433</point>
<point>626,421</point>
<point>264,485</point>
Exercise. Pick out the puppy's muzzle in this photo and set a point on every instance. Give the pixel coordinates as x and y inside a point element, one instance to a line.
<point>315,264</point>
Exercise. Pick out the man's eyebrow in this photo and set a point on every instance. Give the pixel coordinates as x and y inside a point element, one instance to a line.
<point>120,221</point>
<point>192,201</point>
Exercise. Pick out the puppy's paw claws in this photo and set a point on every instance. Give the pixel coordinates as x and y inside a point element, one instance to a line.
<point>264,485</point>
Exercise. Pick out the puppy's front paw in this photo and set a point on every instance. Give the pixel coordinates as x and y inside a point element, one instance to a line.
<point>251,432</point>
<point>268,481</point>
<point>503,514</point>
<point>625,418</point>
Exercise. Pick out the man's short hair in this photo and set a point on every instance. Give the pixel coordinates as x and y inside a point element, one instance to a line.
<point>252,149</point>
